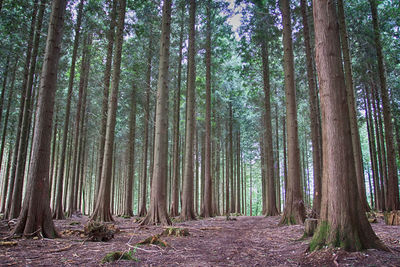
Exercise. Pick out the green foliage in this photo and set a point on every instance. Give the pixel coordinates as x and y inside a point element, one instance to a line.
<point>118,255</point>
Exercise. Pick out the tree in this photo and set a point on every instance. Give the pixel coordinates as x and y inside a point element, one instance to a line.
<point>314,116</point>
<point>343,221</point>
<point>271,209</point>
<point>294,212</point>
<point>58,210</point>
<point>393,187</point>
<point>102,209</point>
<point>35,216</point>
<point>208,212</point>
<point>188,174</point>
<point>158,206</point>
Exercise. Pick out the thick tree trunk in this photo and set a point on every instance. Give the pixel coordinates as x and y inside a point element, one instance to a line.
<point>158,207</point>
<point>35,217</point>
<point>343,222</point>
<point>58,211</point>
<point>187,197</point>
<point>393,202</point>
<point>106,88</point>
<point>270,190</point>
<point>131,155</point>
<point>314,116</point>
<point>102,209</point>
<point>294,212</point>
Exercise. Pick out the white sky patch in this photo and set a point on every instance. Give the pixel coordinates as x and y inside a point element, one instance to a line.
<point>235,16</point>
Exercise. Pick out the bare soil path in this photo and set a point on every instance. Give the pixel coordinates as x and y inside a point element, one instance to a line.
<point>246,241</point>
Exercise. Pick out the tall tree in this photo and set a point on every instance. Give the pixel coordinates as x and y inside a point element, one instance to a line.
<point>106,89</point>
<point>314,116</point>
<point>35,216</point>
<point>355,135</point>
<point>294,212</point>
<point>270,190</point>
<point>102,210</point>
<point>188,174</point>
<point>343,221</point>
<point>59,211</point>
<point>208,212</point>
<point>131,155</point>
<point>175,160</point>
<point>158,205</point>
<point>393,202</point>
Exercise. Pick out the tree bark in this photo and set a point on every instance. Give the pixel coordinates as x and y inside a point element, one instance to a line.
<point>35,216</point>
<point>313,101</point>
<point>393,202</point>
<point>102,209</point>
<point>131,155</point>
<point>294,212</point>
<point>158,207</point>
<point>59,211</point>
<point>106,88</point>
<point>187,197</point>
<point>271,209</point>
<point>343,222</point>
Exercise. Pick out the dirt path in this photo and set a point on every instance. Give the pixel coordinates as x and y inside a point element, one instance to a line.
<point>246,241</point>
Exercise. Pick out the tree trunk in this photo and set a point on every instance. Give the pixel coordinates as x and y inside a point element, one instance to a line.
<point>106,88</point>
<point>271,209</point>
<point>175,161</point>
<point>102,209</point>
<point>343,222</point>
<point>158,207</point>
<point>131,155</point>
<point>58,211</point>
<point>187,197</point>
<point>35,216</point>
<point>352,106</point>
<point>21,109</point>
<point>393,187</point>
<point>313,101</point>
<point>294,212</point>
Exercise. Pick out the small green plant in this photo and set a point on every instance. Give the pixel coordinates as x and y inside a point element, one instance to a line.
<point>118,255</point>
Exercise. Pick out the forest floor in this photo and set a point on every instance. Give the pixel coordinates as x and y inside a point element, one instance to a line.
<point>246,241</point>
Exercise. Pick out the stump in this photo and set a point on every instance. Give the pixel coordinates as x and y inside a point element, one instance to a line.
<point>392,217</point>
<point>309,226</point>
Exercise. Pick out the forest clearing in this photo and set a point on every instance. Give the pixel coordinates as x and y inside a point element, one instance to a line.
<point>245,241</point>
<point>199,132</point>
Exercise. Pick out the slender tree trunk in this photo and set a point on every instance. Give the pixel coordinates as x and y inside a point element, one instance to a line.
<point>21,110</point>
<point>4,86</point>
<point>352,106</point>
<point>231,166</point>
<point>284,158</point>
<point>106,88</point>
<point>175,161</point>
<point>393,187</point>
<point>278,167</point>
<point>313,101</point>
<point>294,212</point>
<point>131,155</point>
<point>251,193</point>
<point>58,211</point>
<point>102,209</point>
<point>35,216</point>
<point>343,221</point>
<point>271,209</point>
<point>143,210</point>
<point>158,207</point>
<point>208,212</point>
<point>187,197</point>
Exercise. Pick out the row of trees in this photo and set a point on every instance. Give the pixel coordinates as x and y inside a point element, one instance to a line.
<point>198,155</point>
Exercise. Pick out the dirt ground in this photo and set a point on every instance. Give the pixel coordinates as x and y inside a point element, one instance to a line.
<point>246,241</point>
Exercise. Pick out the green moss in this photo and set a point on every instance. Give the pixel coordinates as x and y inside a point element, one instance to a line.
<point>289,220</point>
<point>118,255</point>
<point>319,238</point>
